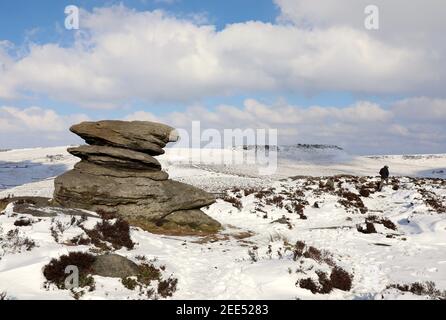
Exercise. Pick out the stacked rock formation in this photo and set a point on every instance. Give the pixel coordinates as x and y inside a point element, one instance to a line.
<point>118,173</point>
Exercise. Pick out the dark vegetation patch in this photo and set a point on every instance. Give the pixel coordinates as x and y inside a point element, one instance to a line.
<point>364,192</point>
<point>284,220</point>
<point>310,252</point>
<point>292,200</point>
<point>250,191</point>
<point>298,208</point>
<point>80,240</point>
<point>264,193</point>
<point>387,223</point>
<point>421,289</point>
<point>147,273</point>
<point>432,201</point>
<point>54,272</point>
<point>325,283</point>
<point>235,190</point>
<point>130,283</point>
<point>107,215</point>
<point>275,201</point>
<point>118,234</point>
<point>367,229</point>
<point>370,224</point>
<point>23,222</point>
<point>167,287</point>
<point>3,296</point>
<point>339,279</point>
<point>351,201</point>
<point>236,203</point>
<point>308,284</point>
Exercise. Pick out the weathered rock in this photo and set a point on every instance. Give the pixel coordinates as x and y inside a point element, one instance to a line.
<point>41,207</point>
<point>144,136</point>
<point>195,219</point>
<point>110,157</point>
<point>96,170</point>
<point>118,174</point>
<point>130,197</point>
<point>32,201</point>
<point>114,266</point>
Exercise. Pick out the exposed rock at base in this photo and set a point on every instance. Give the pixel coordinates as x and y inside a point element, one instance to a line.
<point>144,136</point>
<point>195,219</point>
<point>179,223</point>
<point>41,207</point>
<point>114,266</point>
<point>111,157</point>
<point>93,169</point>
<point>128,197</point>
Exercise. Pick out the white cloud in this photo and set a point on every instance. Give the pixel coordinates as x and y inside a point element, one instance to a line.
<point>35,126</point>
<point>422,109</point>
<point>363,127</point>
<point>406,126</point>
<point>121,54</point>
<point>400,20</point>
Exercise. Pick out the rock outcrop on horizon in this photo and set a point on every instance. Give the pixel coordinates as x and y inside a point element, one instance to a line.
<point>118,173</point>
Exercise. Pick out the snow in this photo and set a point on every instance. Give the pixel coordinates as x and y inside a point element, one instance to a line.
<point>220,267</point>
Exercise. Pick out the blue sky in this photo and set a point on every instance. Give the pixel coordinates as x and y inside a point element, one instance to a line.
<point>247,63</point>
<point>19,17</point>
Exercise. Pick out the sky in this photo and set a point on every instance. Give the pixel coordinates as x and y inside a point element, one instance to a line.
<point>310,69</point>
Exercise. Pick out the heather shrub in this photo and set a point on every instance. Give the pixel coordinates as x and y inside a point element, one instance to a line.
<point>167,287</point>
<point>118,234</point>
<point>236,203</point>
<point>421,289</point>
<point>54,272</point>
<point>341,279</point>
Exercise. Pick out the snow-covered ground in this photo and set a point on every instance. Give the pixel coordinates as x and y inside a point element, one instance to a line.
<point>252,258</point>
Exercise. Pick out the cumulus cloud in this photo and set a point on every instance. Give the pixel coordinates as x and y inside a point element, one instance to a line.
<point>400,20</point>
<point>35,126</point>
<point>121,54</point>
<point>363,127</point>
<point>408,25</point>
<point>413,125</point>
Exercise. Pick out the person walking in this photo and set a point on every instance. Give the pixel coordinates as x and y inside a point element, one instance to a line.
<point>384,173</point>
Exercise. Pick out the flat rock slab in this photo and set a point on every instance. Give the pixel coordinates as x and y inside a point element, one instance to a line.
<point>42,207</point>
<point>39,201</point>
<point>111,157</point>
<point>144,136</point>
<point>114,266</point>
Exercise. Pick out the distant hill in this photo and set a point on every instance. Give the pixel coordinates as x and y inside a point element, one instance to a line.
<point>314,153</point>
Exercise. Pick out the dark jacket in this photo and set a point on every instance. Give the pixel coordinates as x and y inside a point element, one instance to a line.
<point>384,173</point>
